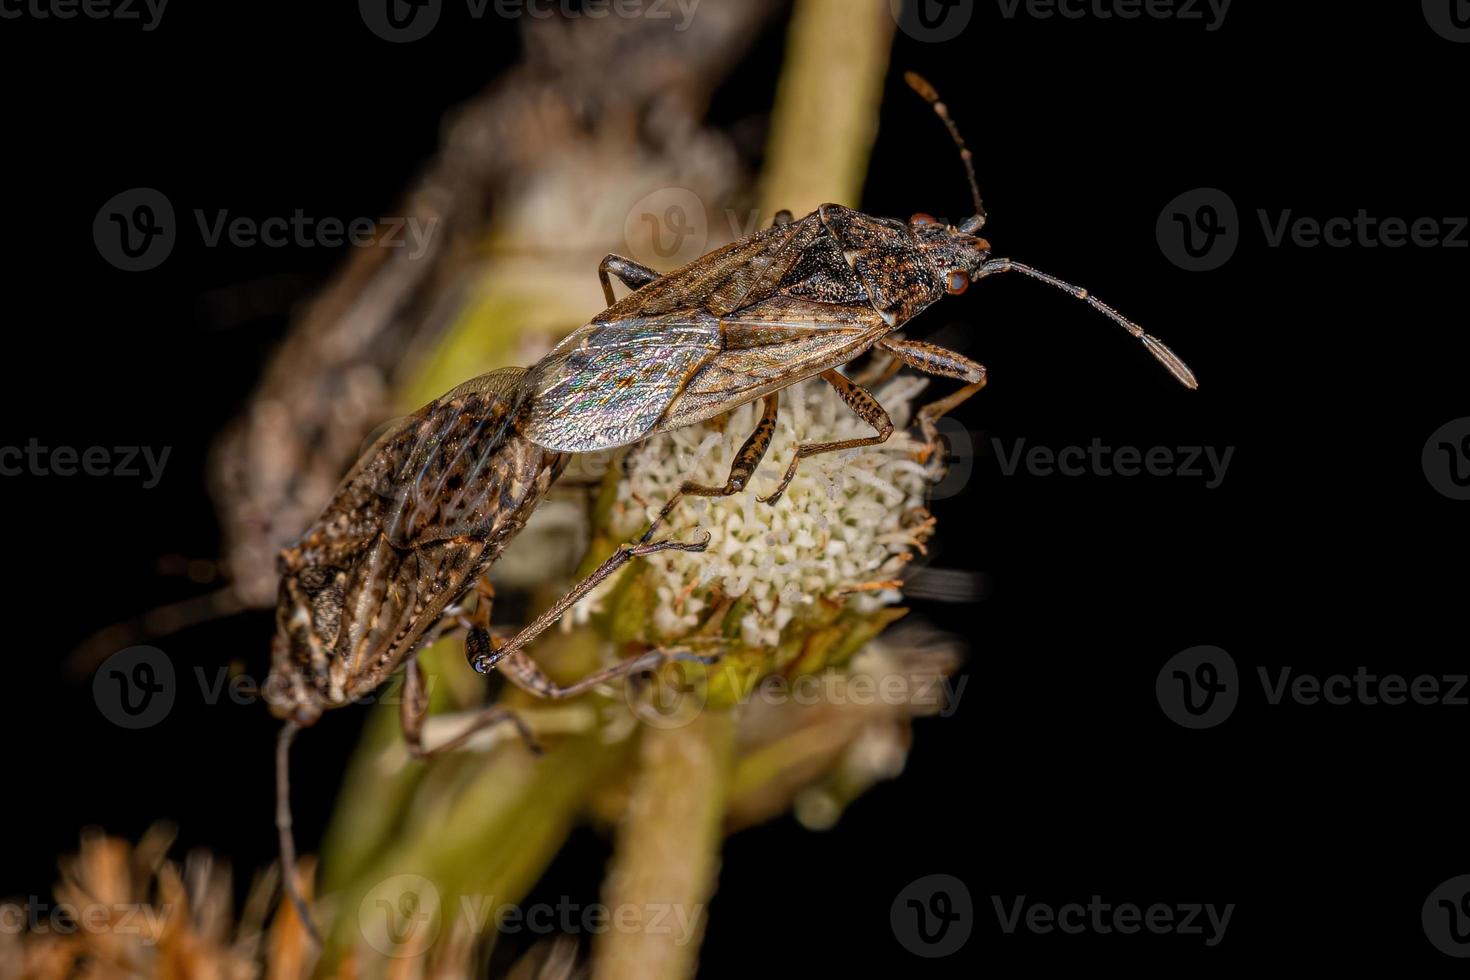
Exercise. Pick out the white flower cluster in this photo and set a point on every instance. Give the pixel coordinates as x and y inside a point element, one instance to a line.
<point>847,524</point>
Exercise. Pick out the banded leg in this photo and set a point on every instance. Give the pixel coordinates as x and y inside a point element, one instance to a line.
<point>861,401</point>
<point>484,653</point>
<point>746,460</point>
<point>630,273</point>
<point>415,709</point>
<point>523,672</point>
<point>932,359</point>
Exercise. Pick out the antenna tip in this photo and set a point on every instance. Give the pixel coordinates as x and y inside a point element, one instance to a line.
<point>1170,360</point>
<point>921,85</point>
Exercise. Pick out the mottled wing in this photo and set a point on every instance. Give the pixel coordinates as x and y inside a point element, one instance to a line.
<point>448,481</point>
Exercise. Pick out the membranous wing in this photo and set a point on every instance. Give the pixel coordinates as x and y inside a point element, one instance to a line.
<point>611,382</point>
<point>608,384</point>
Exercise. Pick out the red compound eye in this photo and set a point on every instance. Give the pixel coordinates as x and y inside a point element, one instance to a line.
<point>922,219</point>
<point>959,281</point>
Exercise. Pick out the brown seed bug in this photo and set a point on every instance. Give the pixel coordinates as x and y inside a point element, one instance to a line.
<point>798,299</point>
<point>411,529</point>
<point>431,505</point>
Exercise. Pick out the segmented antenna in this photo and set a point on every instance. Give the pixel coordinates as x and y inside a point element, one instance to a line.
<point>1156,347</point>
<point>930,94</point>
<point>283,828</point>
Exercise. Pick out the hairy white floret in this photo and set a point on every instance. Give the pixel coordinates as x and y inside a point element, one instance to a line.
<point>846,521</point>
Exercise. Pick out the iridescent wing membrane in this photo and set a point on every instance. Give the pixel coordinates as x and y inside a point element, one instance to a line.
<point>607,384</point>
<point>748,318</point>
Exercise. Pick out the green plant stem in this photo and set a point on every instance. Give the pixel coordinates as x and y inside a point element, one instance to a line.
<point>826,114</point>
<point>667,852</point>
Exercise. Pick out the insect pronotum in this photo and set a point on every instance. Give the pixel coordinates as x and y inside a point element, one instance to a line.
<point>420,519</point>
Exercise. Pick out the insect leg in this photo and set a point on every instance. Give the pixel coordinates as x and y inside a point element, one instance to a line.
<point>932,359</point>
<point>630,273</point>
<point>287,840</point>
<point>415,708</point>
<point>861,401</point>
<point>484,653</point>
<point>746,460</point>
<point>522,671</point>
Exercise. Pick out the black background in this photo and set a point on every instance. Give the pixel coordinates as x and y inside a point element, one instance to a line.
<point>1059,778</point>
